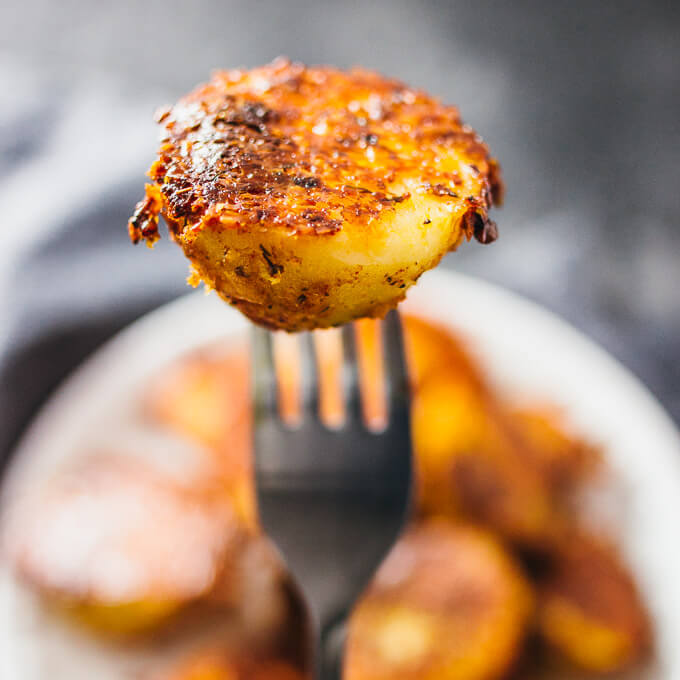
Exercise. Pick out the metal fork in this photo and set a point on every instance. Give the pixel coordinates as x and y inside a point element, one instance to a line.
<point>332,500</point>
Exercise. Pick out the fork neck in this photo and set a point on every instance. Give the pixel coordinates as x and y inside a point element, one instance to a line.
<point>330,651</point>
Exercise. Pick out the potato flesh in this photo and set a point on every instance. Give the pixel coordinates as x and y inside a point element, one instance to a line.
<point>305,281</point>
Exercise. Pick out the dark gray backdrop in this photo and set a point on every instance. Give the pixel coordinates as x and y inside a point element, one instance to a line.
<point>580,100</point>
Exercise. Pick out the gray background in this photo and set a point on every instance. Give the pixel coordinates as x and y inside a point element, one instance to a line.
<point>579,100</point>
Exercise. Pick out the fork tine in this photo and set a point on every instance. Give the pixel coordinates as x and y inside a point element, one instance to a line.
<point>396,375</point>
<point>263,374</point>
<point>350,373</point>
<point>309,378</point>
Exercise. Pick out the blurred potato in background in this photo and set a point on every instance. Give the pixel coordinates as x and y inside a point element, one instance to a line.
<point>206,398</point>
<point>469,465</point>
<point>215,664</point>
<point>497,555</point>
<point>122,548</point>
<point>479,457</point>
<point>589,609</point>
<point>449,602</point>
<point>563,457</point>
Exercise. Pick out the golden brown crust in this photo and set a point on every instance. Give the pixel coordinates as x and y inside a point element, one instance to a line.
<point>307,149</point>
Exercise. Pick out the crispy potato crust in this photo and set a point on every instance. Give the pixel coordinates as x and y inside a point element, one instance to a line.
<point>309,196</point>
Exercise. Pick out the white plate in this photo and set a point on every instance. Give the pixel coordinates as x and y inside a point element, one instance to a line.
<point>526,349</point>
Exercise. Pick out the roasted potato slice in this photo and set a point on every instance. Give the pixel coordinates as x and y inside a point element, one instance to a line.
<point>254,585</point>
<point>308,197</point>
<point>565,458</point>
<point>221,665</point>
<point>469,464</point>
<point>120,546</point>
<point>206,398</point>
<point>431,348</point>
<point>590,612</point>
<point>449,603</point>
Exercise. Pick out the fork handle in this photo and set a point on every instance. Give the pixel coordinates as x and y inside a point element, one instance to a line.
<point>331,651</point>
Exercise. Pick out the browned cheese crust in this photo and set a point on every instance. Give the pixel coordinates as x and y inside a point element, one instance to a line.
<point>287,152</point>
